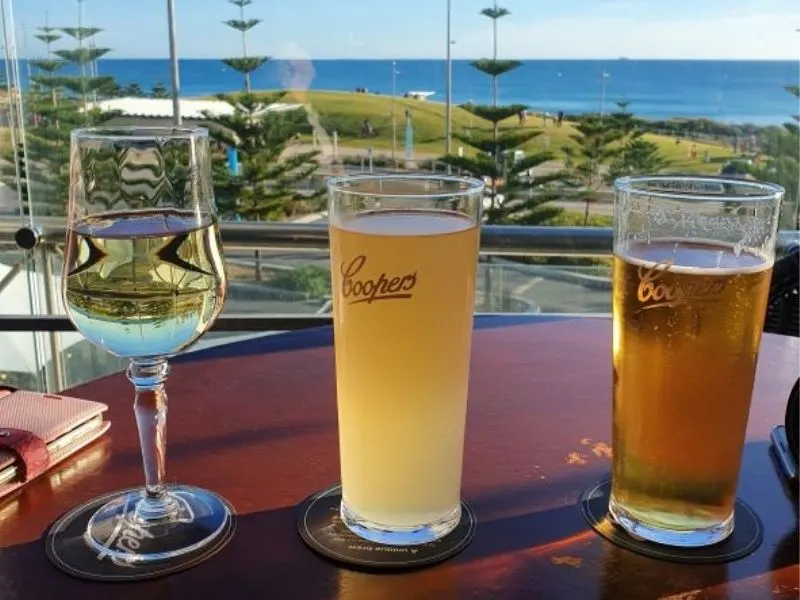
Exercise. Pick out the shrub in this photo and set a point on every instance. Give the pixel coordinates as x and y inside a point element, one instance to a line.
<point>309,279</point>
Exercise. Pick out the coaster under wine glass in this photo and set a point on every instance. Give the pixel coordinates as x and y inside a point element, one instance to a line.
<point>322,530</point>
<point>68,551</point>
<point>746,537</point>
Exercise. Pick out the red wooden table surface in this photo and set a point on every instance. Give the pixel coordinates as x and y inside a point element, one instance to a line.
<point>256,422</point>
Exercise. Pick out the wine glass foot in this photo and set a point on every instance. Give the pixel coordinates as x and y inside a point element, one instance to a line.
<point>131,529</point>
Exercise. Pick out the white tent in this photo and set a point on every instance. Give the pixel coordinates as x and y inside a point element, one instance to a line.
<point>190,108</point>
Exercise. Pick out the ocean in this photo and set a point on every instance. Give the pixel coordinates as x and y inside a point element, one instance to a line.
<point>729,91</point>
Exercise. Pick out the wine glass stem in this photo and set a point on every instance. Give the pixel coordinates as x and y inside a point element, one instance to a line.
<point>148,377</point>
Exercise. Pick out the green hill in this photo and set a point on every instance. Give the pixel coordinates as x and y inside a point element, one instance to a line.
<point>346,111</point>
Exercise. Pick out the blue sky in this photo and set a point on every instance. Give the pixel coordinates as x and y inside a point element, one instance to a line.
<point>748,29</point>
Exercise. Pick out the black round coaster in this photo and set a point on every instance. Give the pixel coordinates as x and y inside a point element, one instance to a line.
<point>67,550</point>
<point>322,530</point>
<point>746,537</point>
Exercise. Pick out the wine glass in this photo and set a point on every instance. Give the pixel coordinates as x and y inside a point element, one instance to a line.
<point>144,278</point>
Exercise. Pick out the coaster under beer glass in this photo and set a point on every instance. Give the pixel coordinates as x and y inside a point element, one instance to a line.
<point>404,252</point>
<point>692,264</point>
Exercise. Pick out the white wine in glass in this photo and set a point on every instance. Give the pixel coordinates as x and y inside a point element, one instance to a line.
<point>144,279</point>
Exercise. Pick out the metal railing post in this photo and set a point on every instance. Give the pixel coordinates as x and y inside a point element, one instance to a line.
<point>259,275</point>
<point>174,64</point>
<point>55,375</point>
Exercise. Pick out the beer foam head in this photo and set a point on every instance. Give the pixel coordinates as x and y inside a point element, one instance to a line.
<point>407,222</point>
<point>693,256</point>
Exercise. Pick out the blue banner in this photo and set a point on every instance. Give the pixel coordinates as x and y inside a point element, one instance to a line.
<point>409,137</point>
<point>233,162</point>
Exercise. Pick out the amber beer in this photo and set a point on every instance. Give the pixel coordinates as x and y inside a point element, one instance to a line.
<point>687,326</point>
<point>404,288</point>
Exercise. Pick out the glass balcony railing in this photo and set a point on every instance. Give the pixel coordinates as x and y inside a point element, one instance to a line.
<point>280,280</point>
<point>354,95</point>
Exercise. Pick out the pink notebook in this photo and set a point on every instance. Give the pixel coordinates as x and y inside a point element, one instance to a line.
<point>38,431</point>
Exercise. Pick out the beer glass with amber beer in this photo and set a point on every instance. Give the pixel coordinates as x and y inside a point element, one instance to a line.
<point>692,264</point>
<point>404,252</point>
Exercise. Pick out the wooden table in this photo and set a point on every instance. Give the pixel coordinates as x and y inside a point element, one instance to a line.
<point>256,421</point>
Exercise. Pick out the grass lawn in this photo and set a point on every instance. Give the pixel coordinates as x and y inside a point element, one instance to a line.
<point>348,110</point>
<point>555,138</point>
<point>678,154</point>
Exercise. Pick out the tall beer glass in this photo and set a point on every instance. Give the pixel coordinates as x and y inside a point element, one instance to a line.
<point>692,264</point>
<point>404,251</point>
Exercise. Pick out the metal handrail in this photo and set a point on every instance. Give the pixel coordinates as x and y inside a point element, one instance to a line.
<point>49,233</point>
<point>507,240</point>
<point>498,240</point>
<point>244,323</point>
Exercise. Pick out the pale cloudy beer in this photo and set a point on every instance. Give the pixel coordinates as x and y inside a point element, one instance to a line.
<point>404,285</point>
<point>688,321</point>
<point>403,291</point>
<point>691,273</point>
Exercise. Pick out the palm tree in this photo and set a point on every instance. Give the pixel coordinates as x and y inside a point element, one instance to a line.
<point>489,164</point>
<point>57,103</point>
<point>633,154</point>
<point>265,187</point>
<point>592,149</point>
<point>159,90</point>
<point>494,14</point>
<point>133,90</point>
<point>244,64</point>
<point>780,164</point>
<point>514,194</point>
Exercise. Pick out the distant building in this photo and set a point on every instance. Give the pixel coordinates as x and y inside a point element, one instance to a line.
<point>158,111</point>
<point>418,95</point>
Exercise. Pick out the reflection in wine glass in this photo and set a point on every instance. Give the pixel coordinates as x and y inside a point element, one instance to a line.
<point>144,279</point>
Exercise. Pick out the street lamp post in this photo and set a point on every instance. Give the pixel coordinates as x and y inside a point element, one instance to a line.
<point>603,78</point>
<point>25,52</point>
<point>448,126</point>
<point>173,59</point>
<point>394,113</point>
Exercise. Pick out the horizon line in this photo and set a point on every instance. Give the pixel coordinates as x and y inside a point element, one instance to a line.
<point>438,58</point>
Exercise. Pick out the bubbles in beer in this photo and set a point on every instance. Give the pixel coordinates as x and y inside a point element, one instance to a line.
<point>688,318</point>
